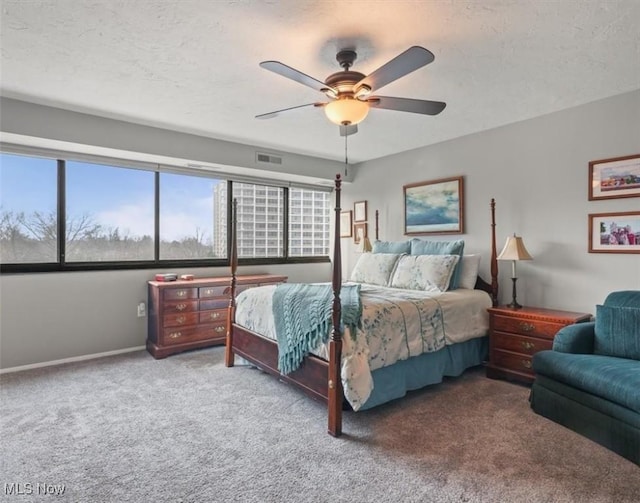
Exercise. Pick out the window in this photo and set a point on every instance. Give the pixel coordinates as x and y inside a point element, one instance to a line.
<point>109,213</point>
<point>309,229</point>
<point>59,214</point>
<point>251,219</point>
<point>191,210</point>
<point>28,209</point>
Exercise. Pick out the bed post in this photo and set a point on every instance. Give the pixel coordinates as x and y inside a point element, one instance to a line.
<point>377,220</point>
<point>233,259</point>
<point>334,399</point>
<point>494,260</point>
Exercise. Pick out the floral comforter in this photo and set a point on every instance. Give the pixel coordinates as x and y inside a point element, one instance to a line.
<point>396,325</point>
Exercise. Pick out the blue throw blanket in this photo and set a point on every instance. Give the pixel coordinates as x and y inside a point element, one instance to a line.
<point>302,316</point>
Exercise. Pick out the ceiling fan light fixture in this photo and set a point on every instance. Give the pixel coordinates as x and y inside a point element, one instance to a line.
<point>346,111</point>
<point>362,92</point>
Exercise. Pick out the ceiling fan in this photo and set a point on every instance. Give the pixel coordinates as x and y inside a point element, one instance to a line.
<point>349,92</point>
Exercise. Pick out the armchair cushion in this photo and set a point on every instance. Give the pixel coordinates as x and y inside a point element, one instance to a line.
<point>577,338</point>
<point>617,331</point>
<point>614,379</point>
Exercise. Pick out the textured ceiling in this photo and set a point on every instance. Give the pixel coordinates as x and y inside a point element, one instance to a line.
<point>192,65</point>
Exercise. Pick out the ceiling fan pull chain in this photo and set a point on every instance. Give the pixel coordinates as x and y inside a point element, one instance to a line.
<point>346,159</point>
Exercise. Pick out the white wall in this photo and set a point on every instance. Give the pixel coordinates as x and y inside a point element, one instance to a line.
<point>537,170</point>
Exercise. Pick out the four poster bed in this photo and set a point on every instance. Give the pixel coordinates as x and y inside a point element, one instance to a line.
<point>446,335</point>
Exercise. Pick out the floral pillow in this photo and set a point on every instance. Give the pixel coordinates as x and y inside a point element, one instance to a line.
<point>431,273</point>
<point>374,268</point>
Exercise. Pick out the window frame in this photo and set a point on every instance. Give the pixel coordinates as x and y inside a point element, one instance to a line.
<point>62,266</point>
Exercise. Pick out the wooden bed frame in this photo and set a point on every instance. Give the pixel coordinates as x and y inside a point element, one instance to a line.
<point>317,377</point>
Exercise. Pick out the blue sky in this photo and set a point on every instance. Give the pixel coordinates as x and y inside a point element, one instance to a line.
<point>120,198</point>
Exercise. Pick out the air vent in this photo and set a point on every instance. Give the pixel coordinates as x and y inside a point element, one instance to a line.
<point>267,159</point>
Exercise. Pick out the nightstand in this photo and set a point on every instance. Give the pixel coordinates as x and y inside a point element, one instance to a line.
<point>515,335</point>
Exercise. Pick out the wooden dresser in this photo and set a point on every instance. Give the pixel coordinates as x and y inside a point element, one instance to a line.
<point>193,314</point>
<point>515,335</point>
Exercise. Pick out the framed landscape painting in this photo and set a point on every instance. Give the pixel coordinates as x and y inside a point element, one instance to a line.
<point>614,232</point>
<point>614,178</point>
<point>434,207</point>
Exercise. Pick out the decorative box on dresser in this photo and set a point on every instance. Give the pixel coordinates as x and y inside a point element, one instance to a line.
<point>193,314</point>
<point>515,335</point>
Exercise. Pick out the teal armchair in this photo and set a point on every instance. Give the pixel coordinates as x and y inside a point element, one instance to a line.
<point>590,380</point>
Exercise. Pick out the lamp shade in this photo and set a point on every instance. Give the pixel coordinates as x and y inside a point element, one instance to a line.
<point>346,111</point>
<point>364,246</point>
<point>514,249</point>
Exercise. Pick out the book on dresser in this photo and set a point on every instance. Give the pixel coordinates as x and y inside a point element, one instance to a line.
<point>191,314</point>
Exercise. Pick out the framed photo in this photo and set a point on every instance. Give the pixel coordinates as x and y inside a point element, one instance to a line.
<point>435,207</point>
<point>360,211</point>
<point>359,232</point>
<point>614,232</point>
<point>346,224</point>
<point>614,178</point>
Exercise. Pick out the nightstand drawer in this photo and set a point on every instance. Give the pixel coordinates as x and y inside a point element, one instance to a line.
<point>524,326</point>
<point>519,343</point>
<point>512,361</point>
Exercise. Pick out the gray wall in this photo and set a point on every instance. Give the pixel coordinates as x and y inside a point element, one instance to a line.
<point>537,170</point>
<point>54,316</point>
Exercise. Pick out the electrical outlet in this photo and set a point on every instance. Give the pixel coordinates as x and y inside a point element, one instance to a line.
<point>142,311</point>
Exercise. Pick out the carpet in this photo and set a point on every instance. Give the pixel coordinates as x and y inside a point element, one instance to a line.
<point>129,428</point>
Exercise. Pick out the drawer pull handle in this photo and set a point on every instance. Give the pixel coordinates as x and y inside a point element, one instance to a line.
<point>175,335</point>
<point>181,307</point>
<point>215,316</point>
<point>208,291</point>
<point>526,364</point>
<point>181,319</point>
<point>527,327</point>
<point>220,329</point>
<point>181,293</point>
<point>528,345</point>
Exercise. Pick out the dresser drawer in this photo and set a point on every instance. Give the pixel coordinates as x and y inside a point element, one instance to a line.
<point>519,343</point>
<point>512,361</point>
<point>525,326</point>
<point>180,306</point>
<point>180,293</point>
<point>217,303</point>
<point>213,316</point>
<point>180,319</point>
<point>190,334</point>
<point>207,292</point>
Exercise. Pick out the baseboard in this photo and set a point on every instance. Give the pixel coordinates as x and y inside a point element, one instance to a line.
<point>70,360</point>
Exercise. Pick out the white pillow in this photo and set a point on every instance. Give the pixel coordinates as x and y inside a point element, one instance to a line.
<point>431,273</point>
<point>374,268</point>
<point>469,271</point>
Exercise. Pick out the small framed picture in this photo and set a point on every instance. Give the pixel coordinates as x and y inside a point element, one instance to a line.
<point>614,232</point>
<point>360,211</point>
<point>346,224</point>
<point>614,178</point>
<point>359,232</point>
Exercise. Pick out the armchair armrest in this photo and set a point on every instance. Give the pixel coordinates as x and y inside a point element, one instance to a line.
<point>577,338</point>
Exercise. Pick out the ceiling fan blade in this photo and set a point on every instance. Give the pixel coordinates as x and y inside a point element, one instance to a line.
<point>407,105</point>
<point>293,74</point>
<point>413,58</point>
<point>348,130</point>
<point>271,115</point>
